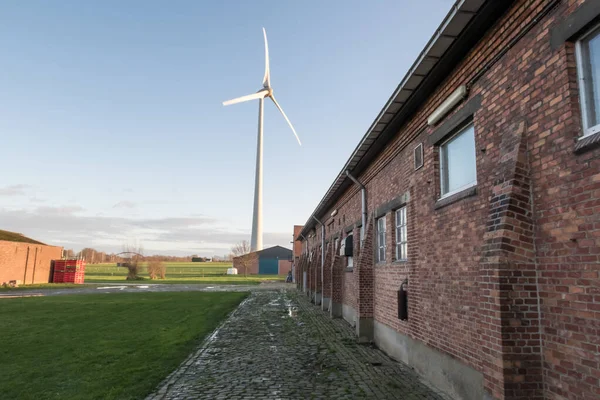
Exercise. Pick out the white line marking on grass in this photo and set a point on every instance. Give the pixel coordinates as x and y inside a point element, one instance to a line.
<point>112,287</point>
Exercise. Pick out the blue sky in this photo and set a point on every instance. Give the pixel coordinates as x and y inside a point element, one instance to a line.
<point>112,127</point>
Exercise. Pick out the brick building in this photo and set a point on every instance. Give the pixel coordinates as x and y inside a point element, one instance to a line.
<point>478,185</point>
<point>25,260</point>
<point>296,249</point>
<point>274,260</point>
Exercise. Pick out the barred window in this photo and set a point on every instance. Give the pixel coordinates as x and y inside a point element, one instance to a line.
<point>401,235</point>
<point>381,239</point>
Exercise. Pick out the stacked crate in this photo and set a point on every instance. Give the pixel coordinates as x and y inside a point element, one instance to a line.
<point>69,271</point>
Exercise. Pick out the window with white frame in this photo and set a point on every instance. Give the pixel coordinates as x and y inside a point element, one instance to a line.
<point>588,68</point>
<point>401,235</point>
<point>381,239</point>
<point>458,169</point>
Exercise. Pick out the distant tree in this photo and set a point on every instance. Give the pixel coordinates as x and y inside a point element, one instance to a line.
<point>241,250</point>
<point>156,269</point>
<point>133,260</point>
<point>90,255</point>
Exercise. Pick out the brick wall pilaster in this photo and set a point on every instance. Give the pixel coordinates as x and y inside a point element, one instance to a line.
<point>313,270</point>
<point>318,280</point>
<point>337,286</point>
<point>300,269</point>
<point>327,277</point>
<point>512,364</point>
<point>365,286</point>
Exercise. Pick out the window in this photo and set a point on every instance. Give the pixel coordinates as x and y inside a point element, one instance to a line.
<point>381,239</point>
<point>350,260</point>
<point>457,162</point>
<point>401,235</point>
<point>588,66</point>
<point>418,156</point>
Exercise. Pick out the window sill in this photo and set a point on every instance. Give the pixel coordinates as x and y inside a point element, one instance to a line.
<point>399,261</point>
<point>349,269</point>
<point>586,143</point>
<point>443,202</point>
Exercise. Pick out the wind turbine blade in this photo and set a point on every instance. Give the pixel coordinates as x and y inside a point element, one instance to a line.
<point>267,78</point>
<point>253,96</point>
<point>286,118</point>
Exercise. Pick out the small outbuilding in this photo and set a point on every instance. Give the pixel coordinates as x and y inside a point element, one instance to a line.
<point>276,260</point>
<point>24,260</point>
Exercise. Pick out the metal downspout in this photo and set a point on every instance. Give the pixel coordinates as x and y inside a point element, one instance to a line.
<point>363,192</point>
<point>322,254</point>
<point>303,237</point>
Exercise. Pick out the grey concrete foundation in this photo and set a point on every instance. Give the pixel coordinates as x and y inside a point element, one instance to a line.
<point>364,329</point>
<point>325,303</point>
<point>335,311</point>
<point>458,380</point>
<point>349,314</point>
<point>317,298</point>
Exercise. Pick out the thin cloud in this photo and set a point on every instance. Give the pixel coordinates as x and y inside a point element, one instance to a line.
<point>125,204</point>
<point>13,190</point>
<point>171,235</point>
<point>65,210</point>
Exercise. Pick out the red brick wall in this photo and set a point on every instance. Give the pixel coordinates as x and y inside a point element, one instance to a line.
<point>474,292</point>
<point>297,249</point>
<point>246,264</point>
<point>28,263</point>
<point>285,266</point>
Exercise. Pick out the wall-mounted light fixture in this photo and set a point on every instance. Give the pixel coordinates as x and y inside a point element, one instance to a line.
<point>452,100</point>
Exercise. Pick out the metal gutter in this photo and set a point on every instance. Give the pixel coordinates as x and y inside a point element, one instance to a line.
<point>363,202</point>
<point>433,63</point>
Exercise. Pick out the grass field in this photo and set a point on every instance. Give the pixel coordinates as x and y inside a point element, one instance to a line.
<point>177,272</point>
<point>101,347</point>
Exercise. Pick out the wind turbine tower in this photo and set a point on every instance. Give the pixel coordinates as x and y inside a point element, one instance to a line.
<point>256,242</point>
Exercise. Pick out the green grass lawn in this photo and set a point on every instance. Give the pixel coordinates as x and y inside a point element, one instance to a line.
<point>118,346</point>
<point>177,272</point>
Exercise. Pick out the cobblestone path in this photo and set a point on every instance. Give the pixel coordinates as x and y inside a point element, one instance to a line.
<point>263,352</point>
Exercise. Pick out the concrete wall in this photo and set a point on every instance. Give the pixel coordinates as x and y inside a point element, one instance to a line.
<point>349,314</point>
<point>446,373</point>
<point>28,263</point>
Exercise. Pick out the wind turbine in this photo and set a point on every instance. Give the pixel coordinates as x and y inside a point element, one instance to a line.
<point>261,95</point>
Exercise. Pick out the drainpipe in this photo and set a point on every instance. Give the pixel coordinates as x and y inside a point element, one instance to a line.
<point>306,289</point>
<point>296,267</point>
<point>322,253</point>
<point>363,195</point>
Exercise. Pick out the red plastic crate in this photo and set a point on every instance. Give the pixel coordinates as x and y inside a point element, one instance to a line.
<point>69,271</point>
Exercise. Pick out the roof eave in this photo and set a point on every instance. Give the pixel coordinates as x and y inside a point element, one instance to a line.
<point>460,30</point>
